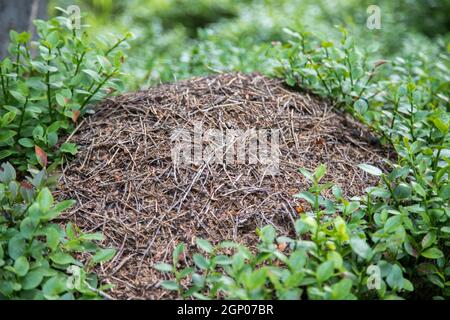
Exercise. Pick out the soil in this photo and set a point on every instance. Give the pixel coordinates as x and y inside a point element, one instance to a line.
<point>128,187</point>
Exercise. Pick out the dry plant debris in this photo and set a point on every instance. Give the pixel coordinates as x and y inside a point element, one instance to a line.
<point>128,188</point>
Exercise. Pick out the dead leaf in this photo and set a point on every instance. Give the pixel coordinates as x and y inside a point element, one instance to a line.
<point>41,156</point>
<point>282,246</point>
<point>26,185</point>
<point>299,209</point>
<point>75,115</point>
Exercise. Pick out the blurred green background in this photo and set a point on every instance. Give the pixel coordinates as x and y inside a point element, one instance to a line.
<point>176,39</point>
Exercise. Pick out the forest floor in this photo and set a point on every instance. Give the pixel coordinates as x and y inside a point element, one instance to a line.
<point>127,185</point>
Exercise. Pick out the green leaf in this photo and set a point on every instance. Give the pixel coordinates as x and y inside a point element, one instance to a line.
<point>163,267</point>
<point>429,239</point>
<point>444,192</point>
<point>26,142</point>
<point>325,271</point>
<point>169,285</point>
<point>18,96</point>
<point>337,192</point>
<point>308,175</point>
<point>360,247</point>
<point>402,191</point>
<point>407,285</point>
<point>32,279</point>
<point>327,44</point>
<point>205,245</point>
<point>308,196</point>
<point>417,187</point>
<point>103,255</point>
<point>69,148</point>
<point>104,63</point>
<point>16,246</point>
<point>7,174</point>
<point>392,223</point>
<point>97,236</point>
<point>5,154</point>
<point>222,260</point>
<point>62,101</point>
<point>27,228</point>
<point>45,199</point>
<point>395,277</point>
<point>53,238</point>
<point>433,253</point>
<point>320,172</point>
<point>64,205</point>
<point>267,234</point>
<point>341,289</point>
<point>301,227</point>
<point>54,286</point>
<point>8,118</point>
<point>370,169</point>
<point>5,135</point>
<point>94,75</point>
<point>186,272</point>
<point>361,106</point>
<point>445,229</point>
<point>201,262</point>
<point>441,125</point>
<point>61,258</point>
<point>256,279</point>
<point>38,133</point>
<point>21,266</point>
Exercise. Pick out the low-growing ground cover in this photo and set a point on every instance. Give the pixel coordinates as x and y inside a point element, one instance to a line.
<point>386,239</point>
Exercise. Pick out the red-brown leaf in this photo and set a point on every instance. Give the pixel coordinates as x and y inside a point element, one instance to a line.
<point>379,63</point>
<point>75,115</point>
<point>26,185</point>
<point>41,156</point>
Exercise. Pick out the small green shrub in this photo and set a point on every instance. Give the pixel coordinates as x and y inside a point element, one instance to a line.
<point>46,85</point>
<point>37,254</point>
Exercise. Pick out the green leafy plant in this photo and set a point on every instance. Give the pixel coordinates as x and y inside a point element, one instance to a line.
<point>48,84</point>
<point>38,255</point>
<point>46,87</point>
<point>357,249</point>
<point>409,110</point>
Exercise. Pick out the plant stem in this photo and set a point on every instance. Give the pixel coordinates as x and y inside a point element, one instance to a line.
<point>63,61</point>
<point>436,160</point>
<point>316,210</point>
<point>388,185</point>
<point>17,59</point>
<point>115,46</point>
<point>49,97</point>
<point>369,79</point>
<point>347,59</point>
<point>324,83</point>
<point>77,69</point>
<point>85,102</point>
<point>22,116</point>
<point>411,118</point>
<point>393,117</point>
<point>5,95</point>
